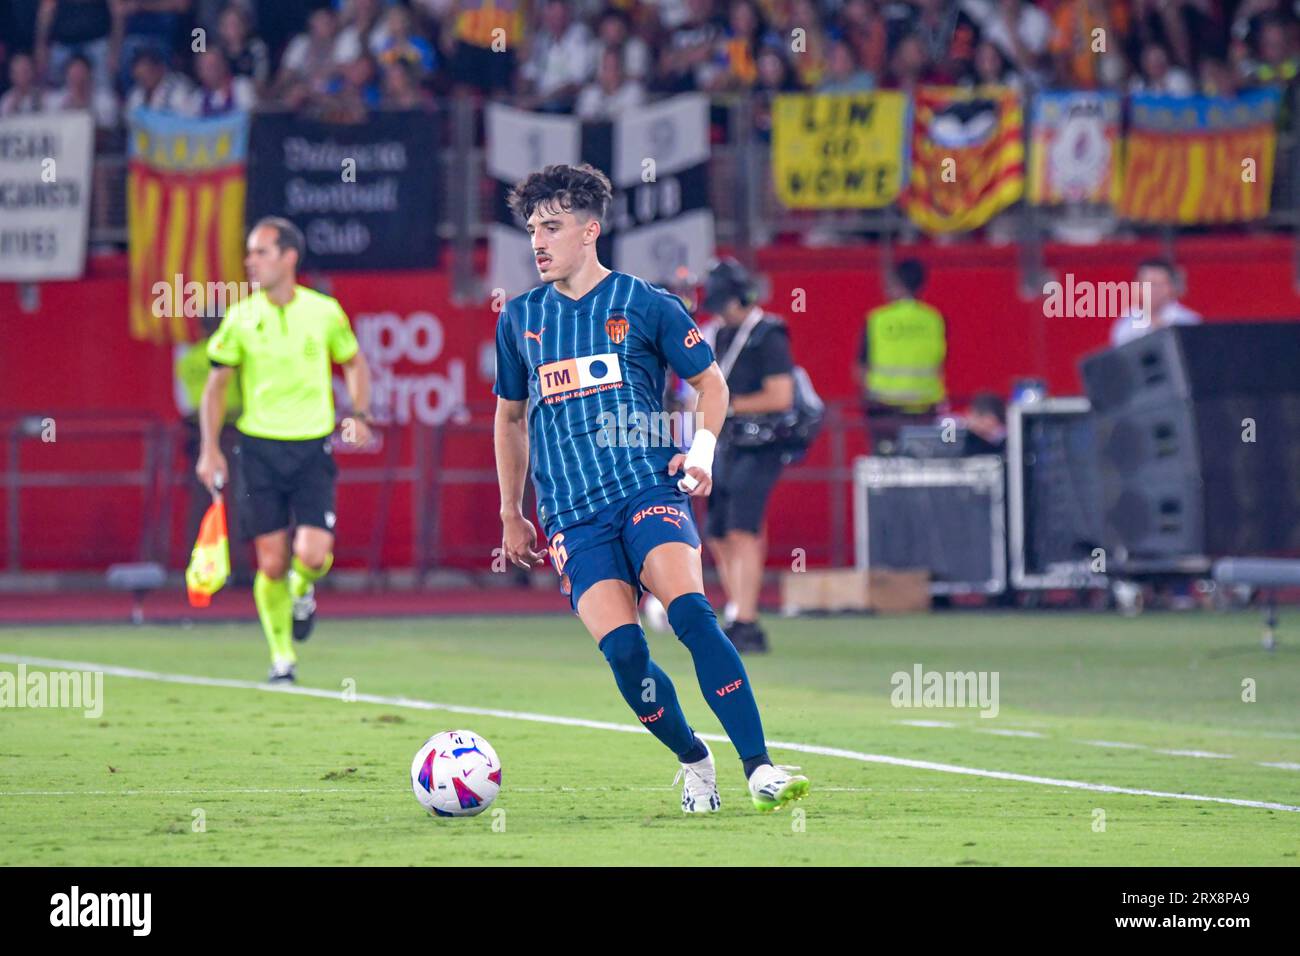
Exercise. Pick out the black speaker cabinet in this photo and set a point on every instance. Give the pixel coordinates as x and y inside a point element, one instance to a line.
<point>1197,434</point>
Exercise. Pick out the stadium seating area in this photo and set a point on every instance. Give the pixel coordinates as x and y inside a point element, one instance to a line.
<point>209,56</point>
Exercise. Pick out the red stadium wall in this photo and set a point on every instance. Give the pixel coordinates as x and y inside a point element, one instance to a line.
<point>70,358</point>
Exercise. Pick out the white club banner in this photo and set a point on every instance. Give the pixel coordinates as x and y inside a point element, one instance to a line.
<point>520,142</point>
<point>45,172</point>
<point>660,139</point>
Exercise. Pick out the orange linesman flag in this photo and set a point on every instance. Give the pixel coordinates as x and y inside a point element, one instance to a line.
<point>210,562</point>
<point>185,221</point>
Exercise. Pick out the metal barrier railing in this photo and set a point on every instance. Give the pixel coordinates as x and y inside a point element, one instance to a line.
<point>162,474</point>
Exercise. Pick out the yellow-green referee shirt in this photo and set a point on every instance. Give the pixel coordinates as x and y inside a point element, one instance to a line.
<point>284,357</point>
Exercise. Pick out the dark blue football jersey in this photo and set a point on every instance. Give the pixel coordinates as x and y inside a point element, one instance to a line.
<point>577,361</point>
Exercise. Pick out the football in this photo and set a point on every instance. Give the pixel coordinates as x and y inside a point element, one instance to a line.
<point>456,774</point>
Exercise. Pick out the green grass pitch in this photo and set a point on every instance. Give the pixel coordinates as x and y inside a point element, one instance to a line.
<point>290,779</point>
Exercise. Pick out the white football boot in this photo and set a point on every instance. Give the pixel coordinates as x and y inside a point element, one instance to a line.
<point>700,791</point>
<point>772,787</point>
<point>282,672</point>
<point>304,614</point>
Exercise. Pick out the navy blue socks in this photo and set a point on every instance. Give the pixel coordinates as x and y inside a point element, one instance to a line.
<point>721,674</point>
<point>649,692</point>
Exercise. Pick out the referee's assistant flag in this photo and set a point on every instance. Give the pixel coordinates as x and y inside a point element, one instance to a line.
<point>210,562</point>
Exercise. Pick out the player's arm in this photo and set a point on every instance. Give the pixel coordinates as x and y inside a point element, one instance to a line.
<point>356,375</point>
<point>212,413</point>
<point>711,398</point>
<point>510,436</point>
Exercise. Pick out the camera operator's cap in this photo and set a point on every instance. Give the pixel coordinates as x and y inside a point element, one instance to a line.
<point>727,280</point>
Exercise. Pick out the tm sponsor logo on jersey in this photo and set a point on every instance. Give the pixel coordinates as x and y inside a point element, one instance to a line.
<point>577,377</point>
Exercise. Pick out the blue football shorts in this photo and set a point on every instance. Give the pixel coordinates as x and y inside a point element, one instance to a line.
<point>614,541</point>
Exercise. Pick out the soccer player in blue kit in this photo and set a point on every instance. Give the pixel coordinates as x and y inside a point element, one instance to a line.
<point>613,505</point>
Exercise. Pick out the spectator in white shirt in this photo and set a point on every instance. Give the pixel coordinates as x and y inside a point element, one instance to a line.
<point>613,93</point>
<point>24,94</point>
<point>1158,76</point>
<point>615,31</point>
<point>309,60</point>
<point>1020,31</point>
<point>158,88</point>
<point>220,91</point>
<point>559,59</point>
<point>1158,282</point>
<point>80,93</point>
<point>363,32</point>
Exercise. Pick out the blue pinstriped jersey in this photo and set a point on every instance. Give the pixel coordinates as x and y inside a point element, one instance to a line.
<point>577,361</point>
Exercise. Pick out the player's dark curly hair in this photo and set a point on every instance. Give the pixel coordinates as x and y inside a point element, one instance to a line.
<point>582,190</point>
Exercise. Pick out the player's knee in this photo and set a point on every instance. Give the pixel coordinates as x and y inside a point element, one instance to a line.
<point>625,646</point>
<point>692,618</point>
<point>313,557</point>
<point>274,566</point>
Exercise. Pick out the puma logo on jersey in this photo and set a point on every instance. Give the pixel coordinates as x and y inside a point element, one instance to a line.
<point>535,335</point>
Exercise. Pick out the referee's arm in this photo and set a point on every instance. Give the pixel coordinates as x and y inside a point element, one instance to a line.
<point>212,413</point>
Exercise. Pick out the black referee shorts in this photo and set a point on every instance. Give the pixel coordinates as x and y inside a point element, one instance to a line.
<point>285,482</point>
<point>743,479</point>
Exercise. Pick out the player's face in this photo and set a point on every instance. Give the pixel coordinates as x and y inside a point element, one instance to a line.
<point>266,263</point>
<point>560,241</point>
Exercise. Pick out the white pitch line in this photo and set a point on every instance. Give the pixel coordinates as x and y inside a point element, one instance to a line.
<point>1282,765</point>
<point>1117,744</point>
<point>413,704</point>
<point>1203,754</point>
<point>1009,733</point>
<point>926,723</point>
<point>259,790</point>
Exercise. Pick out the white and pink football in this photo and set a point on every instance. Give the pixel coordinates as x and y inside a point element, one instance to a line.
<point>456,774</point>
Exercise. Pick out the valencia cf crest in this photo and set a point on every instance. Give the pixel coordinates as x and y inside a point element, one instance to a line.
<point>616,328</point>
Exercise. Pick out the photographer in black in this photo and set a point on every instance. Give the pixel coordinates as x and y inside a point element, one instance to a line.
<point>753,349</point>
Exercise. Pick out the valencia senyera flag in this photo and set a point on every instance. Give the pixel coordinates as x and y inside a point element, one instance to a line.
<point>185,216</point>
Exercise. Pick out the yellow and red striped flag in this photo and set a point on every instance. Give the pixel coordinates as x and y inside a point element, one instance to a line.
<point>1199,159</point>
<point>185,218</point>
<point>968,157</point>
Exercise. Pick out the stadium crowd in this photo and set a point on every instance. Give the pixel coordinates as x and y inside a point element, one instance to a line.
<point>338,59</point>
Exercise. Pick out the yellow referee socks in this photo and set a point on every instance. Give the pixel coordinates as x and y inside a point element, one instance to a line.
<point>275,608</point>
<point>304,577</point>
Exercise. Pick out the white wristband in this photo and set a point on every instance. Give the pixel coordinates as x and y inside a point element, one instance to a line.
<point>700,456</point>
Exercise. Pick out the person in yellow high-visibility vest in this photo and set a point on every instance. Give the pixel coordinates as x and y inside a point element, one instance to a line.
<point>900,360</point>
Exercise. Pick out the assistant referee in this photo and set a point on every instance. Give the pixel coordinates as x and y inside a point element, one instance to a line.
<point>283,338</point>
